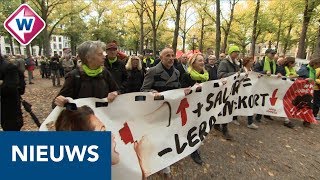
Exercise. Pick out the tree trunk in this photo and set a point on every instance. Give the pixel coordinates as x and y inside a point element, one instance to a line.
<point>286,44</point>
<point>225,39</point>
<point>19,45</point>
<point>269,44</point>
<point>317,48</point>
<point>279,31</point>
<point>201,35</point>
<point>28,50</point>
<point>302,41</point>
<point>46,42</point>
<point>254,31</point>
<point>218,31</point>
<point>141,28</point>
<point>154,29</point>
<point>176,28</point>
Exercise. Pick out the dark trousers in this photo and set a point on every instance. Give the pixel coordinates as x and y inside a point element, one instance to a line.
<point>250,120</point>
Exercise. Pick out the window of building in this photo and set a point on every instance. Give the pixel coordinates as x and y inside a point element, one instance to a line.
<point>16,50</point>
<point>60,39</point>
<point>54,46</point>
<point>54,39</point>
<point>54,52</point>
<point>60,53</point>
<point>60,46</point>
<point>8,51</point>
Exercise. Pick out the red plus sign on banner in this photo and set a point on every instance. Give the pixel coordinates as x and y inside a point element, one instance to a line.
<point>24,24</point>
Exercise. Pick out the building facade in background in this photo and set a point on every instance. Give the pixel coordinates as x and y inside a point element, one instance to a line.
<point>57,44</point>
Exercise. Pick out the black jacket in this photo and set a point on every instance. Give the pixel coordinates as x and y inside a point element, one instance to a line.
<point>118,72</point>
<point>213,72</point>
<point>135,80</point>
<point>180,69</point>
<point>187,81</point>
<point>258,67</point>
<point>12,88</point>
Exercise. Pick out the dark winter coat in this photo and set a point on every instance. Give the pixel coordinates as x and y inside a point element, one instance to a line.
<point>12,88</point>
<point>119,73</point>
<point>157,78</point>
<point>187,81</point>
<point>258,67</point>
<point>227,68</point>
<point>135,80</point>
<point>213,71</point>
<point>97,87</point>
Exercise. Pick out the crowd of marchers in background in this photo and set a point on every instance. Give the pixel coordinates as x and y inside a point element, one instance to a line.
<point>100,70</point>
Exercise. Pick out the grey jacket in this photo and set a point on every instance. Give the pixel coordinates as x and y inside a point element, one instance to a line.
<point>226,68</point>
<point>158,79</point>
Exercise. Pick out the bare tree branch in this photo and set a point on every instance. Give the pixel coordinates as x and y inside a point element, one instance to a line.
<point>161,16</point>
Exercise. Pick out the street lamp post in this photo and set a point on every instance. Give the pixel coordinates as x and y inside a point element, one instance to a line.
<point>194,38</point>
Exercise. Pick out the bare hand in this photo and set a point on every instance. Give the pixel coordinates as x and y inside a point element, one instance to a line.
<point>224,81</point>
<point>112,96</point>
<point>60,101</point>
<point>187,91</point>
<point>279,75</point>
<point>268,73</point>
<point>156,93</point>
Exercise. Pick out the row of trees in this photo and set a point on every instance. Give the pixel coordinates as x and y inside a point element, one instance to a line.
<point>140,24</point>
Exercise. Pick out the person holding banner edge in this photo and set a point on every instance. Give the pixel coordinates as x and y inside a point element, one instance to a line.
<point>162,77</point>
<point>91,79</point>
<point>267,66</point>
<point>195,74</point>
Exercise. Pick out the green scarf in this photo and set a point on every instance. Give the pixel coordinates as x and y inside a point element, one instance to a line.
<point>112,61</point>
<point>266,66</point>
<point>195,75</point>
<point>151,60</point>
<point>290,71</point>
<point>91,72</point>
<point>312,73</point>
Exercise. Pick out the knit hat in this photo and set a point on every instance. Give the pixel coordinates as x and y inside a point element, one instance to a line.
<point>233,48</point>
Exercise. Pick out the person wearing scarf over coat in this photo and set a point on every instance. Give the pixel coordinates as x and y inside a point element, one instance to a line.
<point>195,75</point>
<point>91,79</point>
<point>267,66</point>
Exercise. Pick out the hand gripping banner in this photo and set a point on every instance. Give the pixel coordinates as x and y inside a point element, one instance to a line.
<point>151,134</point>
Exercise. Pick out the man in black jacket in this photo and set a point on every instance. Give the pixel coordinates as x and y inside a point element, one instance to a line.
<point>183,65</point>
<point>12,86</point>
<point>116,66</point>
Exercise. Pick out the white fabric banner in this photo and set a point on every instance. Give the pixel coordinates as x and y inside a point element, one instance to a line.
<point>153,134</point>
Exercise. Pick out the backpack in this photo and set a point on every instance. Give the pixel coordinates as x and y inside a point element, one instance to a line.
<point>303,72</point>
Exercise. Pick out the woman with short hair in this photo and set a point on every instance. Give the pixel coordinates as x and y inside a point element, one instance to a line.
<point>91,79</point>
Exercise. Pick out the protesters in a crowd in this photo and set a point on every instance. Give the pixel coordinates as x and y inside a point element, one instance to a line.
<point>116,67</point>
<point>42,67</point>
<point>212,68</point>
<point>20,63</point>
<point>195,74</point>
<point>222,56</point>
<point>247,67</point>
<point>12,86</point>
<point>148,62</point>
<point>135,74</point>
<point>91,79</point>
<point>183,65</point>
<point>162,77</point>
<point>61,69</point>
<point>289,65</point>
<point>312,73</point>
<point>54,68</point>
<point>227,67</point>
<point>269,67</point>
<point>74,60</point>
<point>280,63</point>
<point>30,65</point>
<point>67,64</point>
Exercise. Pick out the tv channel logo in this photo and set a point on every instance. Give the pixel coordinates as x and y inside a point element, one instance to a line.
<point>24,24</point>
